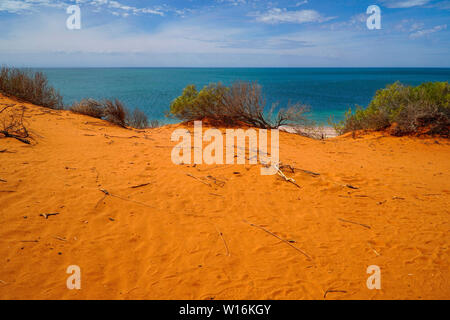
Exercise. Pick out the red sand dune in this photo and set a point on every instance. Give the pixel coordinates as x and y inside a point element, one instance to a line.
<point>213,232</point>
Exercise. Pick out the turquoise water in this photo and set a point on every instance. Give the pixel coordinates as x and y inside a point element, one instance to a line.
<point>328,91</point>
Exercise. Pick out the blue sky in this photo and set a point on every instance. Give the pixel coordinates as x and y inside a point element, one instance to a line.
<point>225,33</point>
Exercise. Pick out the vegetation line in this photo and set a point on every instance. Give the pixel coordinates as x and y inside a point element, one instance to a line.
<point>399,109</point>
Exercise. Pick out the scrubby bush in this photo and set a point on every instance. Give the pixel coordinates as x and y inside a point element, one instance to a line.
<point>155,124</point>
<point>29,86</point>
<point>240,103</point>
<point>89,107</point>
<point>33,87</point>
<point>405,109</point>
<point>112,111</point>
<point>137,119</point>
<point>115,112</point>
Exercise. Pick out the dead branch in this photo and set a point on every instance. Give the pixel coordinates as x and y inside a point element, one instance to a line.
<point>224,242</point>
<point>215,194</point>
<point>291,180</point>
<point>7,106</point>
<point>330,291</point>
<point>13,126</point>
<point>361,224</point>
<point>285,241</point>
<point>7,151</point>
<point>310,172</point>
<point>46,215</point>
<point>107,193</point>
<point>98,202</point>
<point>190,175</point>
<point>8,135</point>
<point>292,169</point>
<point>216,181</point>
<point>140,185</point>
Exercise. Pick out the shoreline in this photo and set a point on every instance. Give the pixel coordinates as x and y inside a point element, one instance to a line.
<point>326,132</point>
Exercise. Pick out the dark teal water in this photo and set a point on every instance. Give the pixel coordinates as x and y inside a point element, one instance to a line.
<point>328,91</point>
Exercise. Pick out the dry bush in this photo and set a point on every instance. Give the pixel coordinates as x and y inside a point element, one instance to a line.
<point>137,119</point>
<point>29,86</point>
<point>422,118</point>
<point>155,124</point>
<point>115,112</point>
<point>243,102</point>
<point>11,124</point>
<point>89,107</point>
<point>240,103</point>
<point>292,115</point>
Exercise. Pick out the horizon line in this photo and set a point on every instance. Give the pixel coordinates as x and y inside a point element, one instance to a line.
<point>176,67</point>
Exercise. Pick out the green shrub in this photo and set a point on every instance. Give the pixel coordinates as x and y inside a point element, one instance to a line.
<point>240,103</point>
<point>425,109</point>
<point>29,86</point>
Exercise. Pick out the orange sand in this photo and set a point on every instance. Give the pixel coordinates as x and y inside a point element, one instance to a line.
<point>164,242</point>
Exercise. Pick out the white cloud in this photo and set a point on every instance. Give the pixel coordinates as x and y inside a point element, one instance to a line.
<point>424,32</point>
<point>115,7</point>
<point>19,6</point>
<point>277,15</point>
<point>298,4</point>
<point>13,6</point>
<point>404,3</point>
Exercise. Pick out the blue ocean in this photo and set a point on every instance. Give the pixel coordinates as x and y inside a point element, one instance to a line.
<point>327,91</point>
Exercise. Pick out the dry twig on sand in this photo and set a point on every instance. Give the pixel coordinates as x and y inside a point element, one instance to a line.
<point>331,291</point>
<point>292,169</point>
<point>361,224</point>
<point>216,181</point>
<point>215,194</point>
<point>190,175</point>
<point>6,107</point>
<point>107,193</point>
<point>224,242</point>
<point>315,174</point>
<point>140,185</point>
<point>281,174</point>
<point>46,215</point>
<point>285,241</point>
